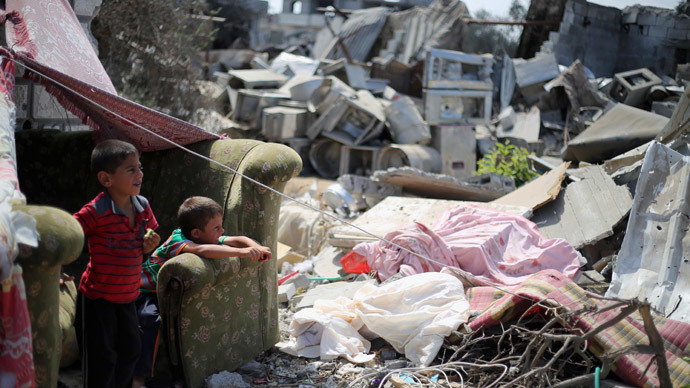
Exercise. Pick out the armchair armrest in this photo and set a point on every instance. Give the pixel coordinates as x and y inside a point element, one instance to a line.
<point>61,240</point>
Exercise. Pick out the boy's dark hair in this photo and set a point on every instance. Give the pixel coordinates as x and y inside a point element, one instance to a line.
<point>196,212</point>
<point>109,154</point>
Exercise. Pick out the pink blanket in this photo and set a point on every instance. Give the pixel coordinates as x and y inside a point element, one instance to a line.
<point>493,246</point>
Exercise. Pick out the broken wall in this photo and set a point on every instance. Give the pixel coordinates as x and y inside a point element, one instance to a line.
<point>655,38</point>
<point>533,36</point>
<point>588,32</point>
<point>608,40</point>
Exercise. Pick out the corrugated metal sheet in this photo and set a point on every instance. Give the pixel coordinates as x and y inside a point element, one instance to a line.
<point>359,32</point>
<point>438,26</point>
<point>653,262</point>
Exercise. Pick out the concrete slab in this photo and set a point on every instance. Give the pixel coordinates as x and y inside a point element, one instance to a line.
<point>619,130</point>
<point>653,261</point>
<point>395,212</point>
<point>586,211</point>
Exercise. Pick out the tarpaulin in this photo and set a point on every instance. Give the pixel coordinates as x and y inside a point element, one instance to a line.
<point>494,246</point>
<point>553,289</point>
<point>47,38</point>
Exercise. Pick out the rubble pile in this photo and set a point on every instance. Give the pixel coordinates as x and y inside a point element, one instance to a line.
<point>394,125</point>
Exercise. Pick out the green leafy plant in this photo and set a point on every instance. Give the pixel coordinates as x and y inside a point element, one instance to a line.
<point>508,160</point>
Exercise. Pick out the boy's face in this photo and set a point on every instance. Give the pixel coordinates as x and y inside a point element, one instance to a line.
<point>127,178</point>
<point>211,233</point>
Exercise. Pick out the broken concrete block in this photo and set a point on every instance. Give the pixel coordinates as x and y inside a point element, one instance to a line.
<point>457,106</point>
<point>299,281</point>
<point>653,263</point>
<point>406,123</point>
<point>446,69</point>
<point>620,129</point>
<point>255,79</point>
<point>586,211</point>
<point>409,155</point>
<point>286,291</point>
<point>280,122</point>
<point>458,149</point>
<point>631,87</point>
<point>327,262</point>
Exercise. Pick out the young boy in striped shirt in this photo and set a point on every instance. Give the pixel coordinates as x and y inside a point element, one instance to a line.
<point>116,224</point>
<point>201,233</point>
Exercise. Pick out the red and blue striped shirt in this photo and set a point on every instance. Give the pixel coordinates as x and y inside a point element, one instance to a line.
<point>115,248</point>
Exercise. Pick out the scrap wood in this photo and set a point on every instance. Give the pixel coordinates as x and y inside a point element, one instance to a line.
<point>538,192</point>
<point>604,327</point>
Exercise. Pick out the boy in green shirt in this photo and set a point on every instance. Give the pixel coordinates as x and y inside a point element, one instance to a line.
<point>200,233</point>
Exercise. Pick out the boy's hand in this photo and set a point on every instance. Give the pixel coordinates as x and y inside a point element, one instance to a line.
<point>265,253</point>
<point>151,240</point>
<point>252,253</point>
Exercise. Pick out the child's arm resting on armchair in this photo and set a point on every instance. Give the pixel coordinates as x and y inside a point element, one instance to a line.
<point>214,251</point>
<point>246,242</point>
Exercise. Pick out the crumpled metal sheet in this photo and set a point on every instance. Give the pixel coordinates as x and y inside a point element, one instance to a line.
<point>654,261</point>
<point>359,32</point>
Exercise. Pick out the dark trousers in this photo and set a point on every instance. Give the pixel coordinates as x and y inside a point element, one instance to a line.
<point>150,323</point>
<point>109,340</point>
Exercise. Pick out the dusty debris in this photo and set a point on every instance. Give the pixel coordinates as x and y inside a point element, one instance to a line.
<point>429,185</point>
<point>586,211</point>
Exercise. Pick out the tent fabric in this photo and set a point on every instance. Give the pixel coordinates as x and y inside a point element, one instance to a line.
<point>47,38</point>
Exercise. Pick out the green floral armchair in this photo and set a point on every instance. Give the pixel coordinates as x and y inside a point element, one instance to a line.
<point>217,314</point>
<point>60,242</point>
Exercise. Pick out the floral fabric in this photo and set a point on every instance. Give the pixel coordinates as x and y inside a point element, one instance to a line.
<point>15,333</point>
